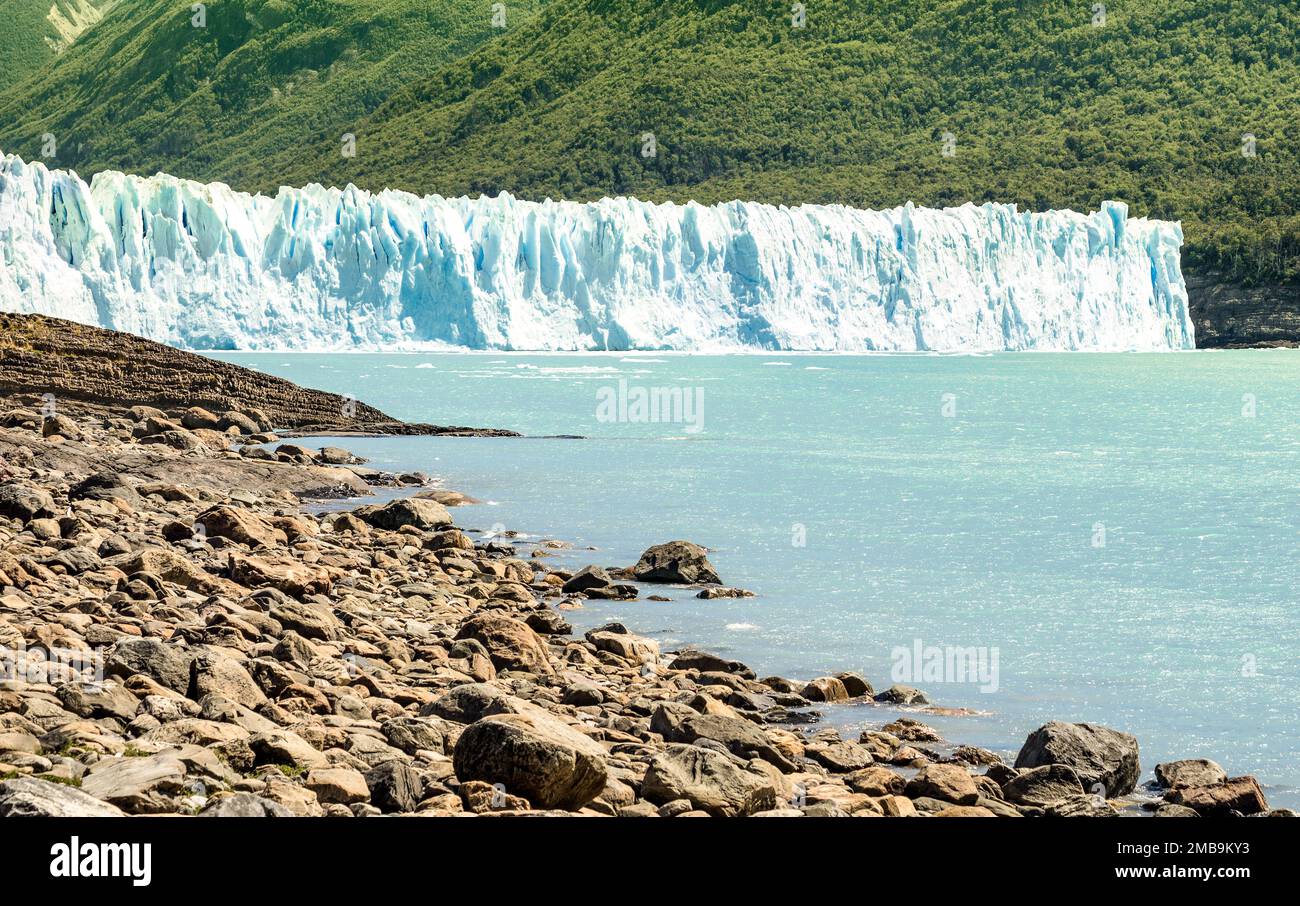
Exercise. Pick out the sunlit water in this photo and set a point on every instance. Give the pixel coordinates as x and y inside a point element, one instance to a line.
<point>1123,529</point>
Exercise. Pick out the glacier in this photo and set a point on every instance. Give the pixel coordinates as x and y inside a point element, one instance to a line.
<point>205,267</point>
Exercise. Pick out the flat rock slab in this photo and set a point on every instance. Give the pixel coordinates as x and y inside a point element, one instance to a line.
<point>25,797</point>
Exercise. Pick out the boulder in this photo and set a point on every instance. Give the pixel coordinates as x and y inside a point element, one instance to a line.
<point>213,673</point>
<point>630,647</point>
<point>945,782</point>
<point>1169,810</point>
<point>840,757</point>
<point>241,525</point>
<point>241,422</point>
<point>26,797</point>
<point>337,785</point>
<point>711,781</point>
<point>677,562</point>
<point>535,756</point>
<point>855,685</point>
<point>170,567</point>
<point>105,486</point>
<point>703,661</point>
<point>394,787</point>
<point>286,747</point>
<point>425,515</point>
<point>902,695</point>
<point>1043,786</point>
<point>243,805</point>
<point>1189,772</point>
<point>1236,794</point>
<point>292,578</point>
<point>470,702</point>
<point>308,620</point>
<point>62,426</point>
<point>1099,755</point>
<point>588,577</point>
<point>198,417</point>
<point>509,642</point>
<point>25,502</point>
<point>163,663</point>
<point>139,785</point>
<point>737,735</point>
<point>825,689</point>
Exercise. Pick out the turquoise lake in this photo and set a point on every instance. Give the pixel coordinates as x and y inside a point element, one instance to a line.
<point>1123,530</point>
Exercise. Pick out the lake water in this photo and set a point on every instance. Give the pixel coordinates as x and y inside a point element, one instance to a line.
<point>1121,531</point>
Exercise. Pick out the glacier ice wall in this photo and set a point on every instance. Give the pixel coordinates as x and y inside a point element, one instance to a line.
<point>206,267</point>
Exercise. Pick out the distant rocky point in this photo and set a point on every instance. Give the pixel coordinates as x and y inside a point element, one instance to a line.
<point>89,370</point>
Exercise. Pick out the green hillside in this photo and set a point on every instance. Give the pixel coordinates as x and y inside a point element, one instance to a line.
<point>1044,107</point>
<point>34,31</point>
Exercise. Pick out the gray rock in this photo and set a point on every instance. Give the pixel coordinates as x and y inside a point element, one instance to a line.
<point>677,562</point>
<point>105,486</point>
<point>25,502</point>
<point>587,578</point>
<point>738,736</point>
<point>168,664</point>
<point>1189,772</point>
<point>25,797</point>
<point>423,514</point>
<point>1169,810</point>
<point>902,695</point>
<point>394,787</point>
<point>139,785</point>
<point>712,781</point>
<point>1043,786</point>
<point>244,805</point>
<point>694,659</point>
<point>1099,755</point>
<point>509,642</point>
<point>535,756</point>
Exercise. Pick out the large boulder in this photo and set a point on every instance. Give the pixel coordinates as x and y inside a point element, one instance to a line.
<point>825,689</point>
<point>104,486</point>
<point>1043,786</point>
<point>1189,772</point>
<point>587,578</point>
<point>1236,794</point>
<point>25,797</point>
<point>215,673</point>
<point>25,502</point>
<point>1099,755</point>
<point>170,567</point>
<point>510,643</point>
<point>712,781</point>
<point>163,663</point>
<point>629,647</point>
<point>426,515</point>
<point>736,734</point>
<point>291,577</point>
<point>678,562</point>
<point>240,525</point>
<point>140,785</point>
<point>945,782</point>
<point>535,756</point>
<point>705,662</point>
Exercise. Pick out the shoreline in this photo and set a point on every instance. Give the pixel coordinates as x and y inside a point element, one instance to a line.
<point>258,658</point>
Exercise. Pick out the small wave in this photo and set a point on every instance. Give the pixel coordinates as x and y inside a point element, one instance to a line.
<point>741,627</point>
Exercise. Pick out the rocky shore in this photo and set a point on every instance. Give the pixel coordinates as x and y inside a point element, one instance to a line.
<point>89,370</point>
<point>180,635</point>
